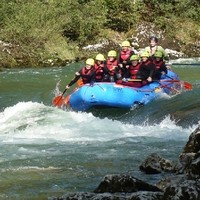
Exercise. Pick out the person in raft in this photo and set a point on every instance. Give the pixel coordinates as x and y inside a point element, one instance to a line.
<point>147,69</point>
<point>154,47</point>
<point>132,75</point>
<point>99,67</point>
<point>87,74</point>
<point>111,66</point>
<point>124,59</point>
<point>161,68</point>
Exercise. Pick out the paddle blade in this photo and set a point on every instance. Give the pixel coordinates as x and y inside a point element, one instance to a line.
<point>173,90</point>
<point>66,100</point>
<point>58,101</point>
<point>80,82</point>
<point>187,85</point>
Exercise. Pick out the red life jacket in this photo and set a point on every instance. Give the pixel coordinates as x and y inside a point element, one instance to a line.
<point>110,65</point>
<point>125,55</point>
<point>99,69</point>
<point>158,64</point>
<point>84,73</point>
<point>146,63</point>
<point>134,70</point>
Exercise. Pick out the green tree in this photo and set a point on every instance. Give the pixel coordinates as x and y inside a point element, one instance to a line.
<point>85,21</point>
<point>122,15</point>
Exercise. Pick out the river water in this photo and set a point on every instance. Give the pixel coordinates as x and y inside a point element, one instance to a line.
<point>46,151</point>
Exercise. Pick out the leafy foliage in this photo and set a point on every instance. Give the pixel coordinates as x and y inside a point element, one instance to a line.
<point>121,15</point>
<point>42,25</point>
<point>85,22</point>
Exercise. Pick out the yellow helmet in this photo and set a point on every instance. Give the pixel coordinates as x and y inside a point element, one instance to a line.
<point>134,57</point>
<point>90,61</point>
<point>158,54</point>
<point>112,53</point>
<point>126,44</point>
<point>144,54</point>
<point>100,57</point>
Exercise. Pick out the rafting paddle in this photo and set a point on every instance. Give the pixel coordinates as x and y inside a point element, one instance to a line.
<point>134,80</point>
<point>162,85</point>
<point>169,88</point>
<point>186,85</point>
<point>57,100</point>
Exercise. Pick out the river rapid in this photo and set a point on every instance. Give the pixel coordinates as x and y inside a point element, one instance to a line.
<point>46,151</point>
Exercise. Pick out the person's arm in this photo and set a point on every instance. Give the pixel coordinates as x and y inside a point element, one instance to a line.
<point>152,68</point>
<point>126,73</point>
<point>163,68</point>
<point>105,68</point>
<point>74,80</point>
<point>92,77</point>
<point>120,60</point>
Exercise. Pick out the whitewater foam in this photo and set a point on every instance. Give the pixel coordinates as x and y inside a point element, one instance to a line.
<point>29,122</point>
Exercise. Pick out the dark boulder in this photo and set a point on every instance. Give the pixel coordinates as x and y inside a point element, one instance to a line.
<point>155,164</point>
<point>190,158</point>
<point>123,183</point>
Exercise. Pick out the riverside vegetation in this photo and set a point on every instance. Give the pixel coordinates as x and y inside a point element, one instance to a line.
<point>52,32</point>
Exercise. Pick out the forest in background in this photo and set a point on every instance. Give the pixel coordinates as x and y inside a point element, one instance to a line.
<point>52,32</point>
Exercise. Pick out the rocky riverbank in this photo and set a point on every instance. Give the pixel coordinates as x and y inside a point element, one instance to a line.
<point>182,179</point>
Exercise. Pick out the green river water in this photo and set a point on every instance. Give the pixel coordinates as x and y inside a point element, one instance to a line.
<point>45,151</point>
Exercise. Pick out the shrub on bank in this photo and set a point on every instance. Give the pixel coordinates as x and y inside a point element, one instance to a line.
<point>54,29</point>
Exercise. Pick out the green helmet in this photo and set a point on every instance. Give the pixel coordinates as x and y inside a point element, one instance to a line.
<point>144,54</point>
<point>112,53</point>
<point>134,57</point>
<point>158,54</point>
<point>90,61</point>
<point>100,57</point>
<point>126,44</point>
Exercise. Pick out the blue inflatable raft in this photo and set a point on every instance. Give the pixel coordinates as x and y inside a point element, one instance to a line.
<point>104,94</point>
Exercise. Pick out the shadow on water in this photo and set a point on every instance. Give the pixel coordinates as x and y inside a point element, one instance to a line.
<point>110,113</point>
